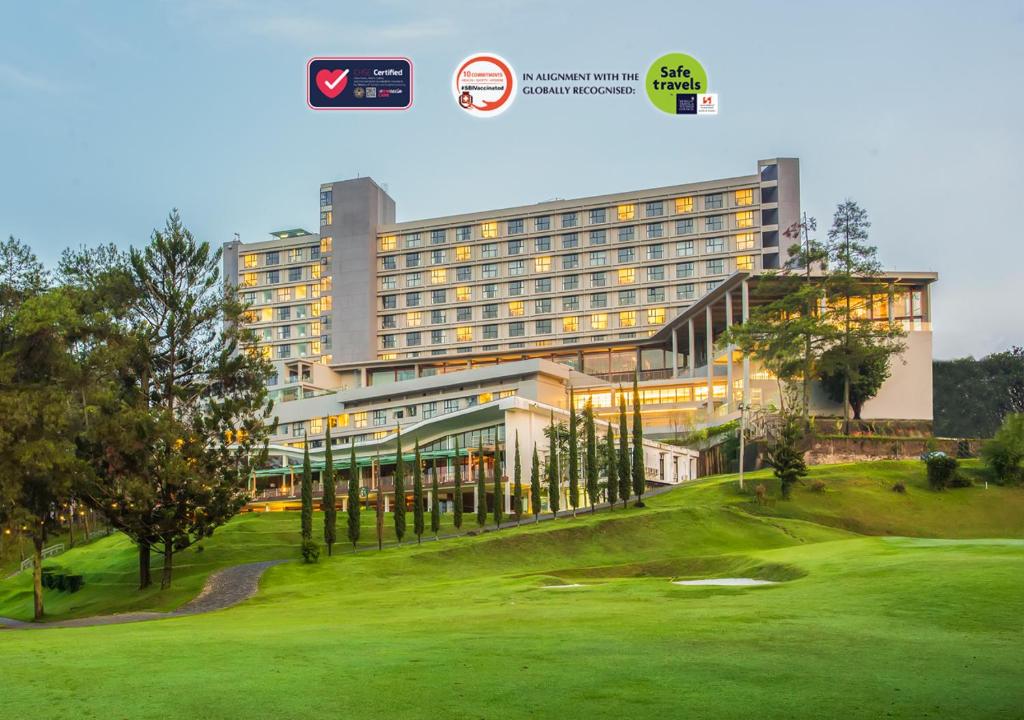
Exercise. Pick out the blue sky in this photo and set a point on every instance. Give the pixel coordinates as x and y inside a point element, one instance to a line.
<point>111,113</point>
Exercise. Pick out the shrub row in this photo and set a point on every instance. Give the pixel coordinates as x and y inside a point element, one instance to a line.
<point>55,579</point>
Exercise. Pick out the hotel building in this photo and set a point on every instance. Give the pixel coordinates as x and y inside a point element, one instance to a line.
<point>476,325</point>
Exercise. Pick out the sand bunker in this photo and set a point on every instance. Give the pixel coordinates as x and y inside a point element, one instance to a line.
<point>561,587</point>
<point>734,582</point>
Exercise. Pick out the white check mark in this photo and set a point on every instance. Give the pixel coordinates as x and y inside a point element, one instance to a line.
<point>331,85</point>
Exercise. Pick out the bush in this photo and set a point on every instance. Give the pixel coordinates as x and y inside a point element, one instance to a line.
<point>963,449</point>
<point>1004,452</point>
<point>960,480</point>
<point>818,486</point>
<point>760,491</point>
<point>310,551</point>
<point>899,488</point>
<point>73,583</point>
<point>941,470</point>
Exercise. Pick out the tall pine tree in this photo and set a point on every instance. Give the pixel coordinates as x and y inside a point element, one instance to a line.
<point>639,476</point>
<point>535,498</point>
<point>459,499</point>
<point>399,510</point>
<point>435,502</point>
<point>417,496</point>
<point>499,489</point>
<point>625,480</point>
<point>481,491</point>
<point>590,433</point>
<point>353,498</point>
<point>330,511</point>
<point>554,480</point>
<point>574,455</point>
<point>517,490</point>
<point>612,461</point>
<point>307,494</point>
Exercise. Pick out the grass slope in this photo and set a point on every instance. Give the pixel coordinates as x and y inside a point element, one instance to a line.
<point>860,627</point>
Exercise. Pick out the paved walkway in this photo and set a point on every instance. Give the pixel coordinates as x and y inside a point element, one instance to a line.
<point>223,589</point>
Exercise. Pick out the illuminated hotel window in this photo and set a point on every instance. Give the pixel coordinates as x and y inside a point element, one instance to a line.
<point>542,264</point>
<point>506,393</point>
<point>438,276</point>
<point>388,356</point>
<point>627,318</point>
<point>599,321</point>
<point>326,217</point>
<point>250,279</point>
<point>489,229</point>
<point>700,393</point>
<point>718,391</point>
<point>325,305</point>
<point>300,292</point>
<point>516,308</point>
<point>745,219</point>
<point>325,284</point>
<point>745,241</point>
<point>266,314</point>
<point>744,197</point>
<point>250,261</point>
<point>627,275</point>
<point>684,205</point>
<point>463,293</point>
<point>485,397</point>
<point>284,294</point>
<point>414,319</point>
<point>463,253</point>
<point>314,271</point>
<point>655,316</point>
<point>625,212</point>
<point>388,243</point>
<point>745,262</point>
<point>463,334</point>
<point>359,419</point>
<point>316,426</point>
<point>325,244</point>
<point>570,324</point>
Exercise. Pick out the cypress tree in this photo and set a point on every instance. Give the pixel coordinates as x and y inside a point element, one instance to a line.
<point>307,494</point>
<point>613,467</point>
<point>517,488</point>
<point>624,477</point>
<point>457,511</point>
<point>590,433</point>
<point>553,478</point>
<point>535,484</point>
<point>639,477</point>
<point>417,495</point>
<point>330,511</point>
<point>353,498</point>
<point>574,456</point>
<point>499,490</point>
<point>399,510</point>
<point>435,502</point>
<point>481,491</point>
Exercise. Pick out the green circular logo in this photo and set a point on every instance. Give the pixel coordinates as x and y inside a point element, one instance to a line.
<point>673,82</point>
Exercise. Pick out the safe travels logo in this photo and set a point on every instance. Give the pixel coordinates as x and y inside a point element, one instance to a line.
<point>677,84</point>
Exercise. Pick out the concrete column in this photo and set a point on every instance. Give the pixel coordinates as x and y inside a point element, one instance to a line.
<point>693,347</point>
<point>745,312</point>
<point>709,343</point>
<point>728,364</point>
<point>387,501</point>
<point>508,497</point>
<point>675,352</point>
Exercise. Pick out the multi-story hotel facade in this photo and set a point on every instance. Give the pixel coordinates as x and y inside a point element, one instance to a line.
<point>476,324</point>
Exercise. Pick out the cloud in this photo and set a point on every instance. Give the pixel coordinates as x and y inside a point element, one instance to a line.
<point>12,76</point>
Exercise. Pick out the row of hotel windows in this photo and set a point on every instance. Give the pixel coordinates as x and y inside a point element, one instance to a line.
<point>287,332</point>
<point>571,219</point>
<point>380,418</point>
<point>684,248</point>
<point>311,349</point>
<point>597,321</point>
<point>295,274</point>
<point>491,271</point>
<point>300,292</point>
<point>291,255</point>
<point>570,282</point>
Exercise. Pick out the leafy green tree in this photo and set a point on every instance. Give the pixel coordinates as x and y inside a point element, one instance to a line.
<point>972,396</point>
<point>554,484</point>
<point>353,498</point>
<point>399,511</point>
<point>417,495</point>
<point>535,499</point>
<point>459,499</point>
<point>330,500</point>
<point>591,440</point>
<point>574,456</point>
<point>499,491</point>
<point>612,463</point>
<point>625,477</point>
<point>1004,453</point>
<point>869,369</point>
<point>435,501</point>
<point>22,276</point>
<point>638,467</point>
<point>481,491</point>
<point>307,493</point>
<point>786,456</point>
<point>517,491</point>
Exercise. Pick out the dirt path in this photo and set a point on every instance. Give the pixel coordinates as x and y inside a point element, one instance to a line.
<point>223,589</point>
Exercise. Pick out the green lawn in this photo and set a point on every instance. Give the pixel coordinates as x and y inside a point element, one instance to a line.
<point>858,626</point>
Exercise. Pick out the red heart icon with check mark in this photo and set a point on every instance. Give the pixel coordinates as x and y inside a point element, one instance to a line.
<point>332,82</point>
